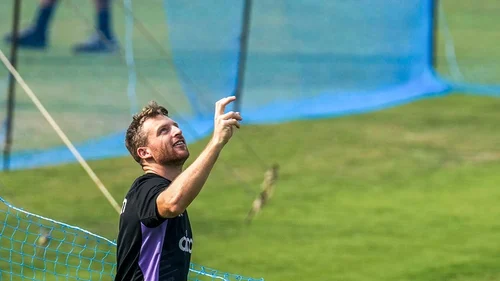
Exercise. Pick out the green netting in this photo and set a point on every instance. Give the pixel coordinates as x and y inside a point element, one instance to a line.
<point>36,248</point>
<point>305,59</point>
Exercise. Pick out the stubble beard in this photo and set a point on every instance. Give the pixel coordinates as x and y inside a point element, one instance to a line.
<point>171,158</point>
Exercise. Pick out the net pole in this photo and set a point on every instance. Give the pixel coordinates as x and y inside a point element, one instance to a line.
<point>12,87</point>
<point>242,58</point>
<point>434,30</point>
<point>129,56</point>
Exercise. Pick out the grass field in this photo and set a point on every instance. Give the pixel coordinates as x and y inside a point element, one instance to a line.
<point>407,193</point>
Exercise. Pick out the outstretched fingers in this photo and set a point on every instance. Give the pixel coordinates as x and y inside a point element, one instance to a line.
<point>220,106</point>
<point>225,122</point>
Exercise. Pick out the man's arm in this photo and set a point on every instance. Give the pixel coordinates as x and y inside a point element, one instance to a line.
<point>182,191</point>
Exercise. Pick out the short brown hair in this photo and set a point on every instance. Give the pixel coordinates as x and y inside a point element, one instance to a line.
<point>135,137</point>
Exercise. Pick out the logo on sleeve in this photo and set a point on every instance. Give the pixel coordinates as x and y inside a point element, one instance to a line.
<point>124,205</point>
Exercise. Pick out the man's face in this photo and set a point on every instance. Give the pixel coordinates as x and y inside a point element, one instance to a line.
<point>166,143</point>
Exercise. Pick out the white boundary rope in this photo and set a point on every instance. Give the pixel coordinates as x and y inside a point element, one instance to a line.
<point>59,132</point>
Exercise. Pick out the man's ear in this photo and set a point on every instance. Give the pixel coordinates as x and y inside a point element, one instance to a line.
<point>144,152</point>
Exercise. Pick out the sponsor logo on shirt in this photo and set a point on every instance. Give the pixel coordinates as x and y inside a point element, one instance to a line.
<point>186,244</point>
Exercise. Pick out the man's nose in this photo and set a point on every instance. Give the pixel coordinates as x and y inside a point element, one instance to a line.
<point>177,131</point>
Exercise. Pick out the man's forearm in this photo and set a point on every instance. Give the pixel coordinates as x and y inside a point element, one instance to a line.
<point>177,197</point>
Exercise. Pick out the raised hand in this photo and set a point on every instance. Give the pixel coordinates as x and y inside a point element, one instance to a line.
<point>224,123</point>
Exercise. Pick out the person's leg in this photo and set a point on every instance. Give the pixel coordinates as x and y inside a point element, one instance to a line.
<point>103,15</point>
<point>44,16</point>
<point>104,40</point>
<point>35,36</point>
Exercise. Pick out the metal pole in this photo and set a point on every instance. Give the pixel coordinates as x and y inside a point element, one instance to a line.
<point>245,30</point>
<point>434,29</point>
<point>12,87</point>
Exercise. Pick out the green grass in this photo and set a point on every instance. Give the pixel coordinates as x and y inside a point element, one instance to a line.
<point>408,193</point>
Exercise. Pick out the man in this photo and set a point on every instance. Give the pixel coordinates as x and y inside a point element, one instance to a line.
<point>36,36</point>
<point>155,239</point>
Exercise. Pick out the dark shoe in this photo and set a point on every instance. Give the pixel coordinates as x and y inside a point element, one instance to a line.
<point>97,44</point>
<point>29,38</point>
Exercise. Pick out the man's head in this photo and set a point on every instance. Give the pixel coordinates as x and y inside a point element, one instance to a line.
<point>153,137</point>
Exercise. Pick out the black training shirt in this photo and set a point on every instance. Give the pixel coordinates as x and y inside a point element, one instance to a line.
<point>149,247</point>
